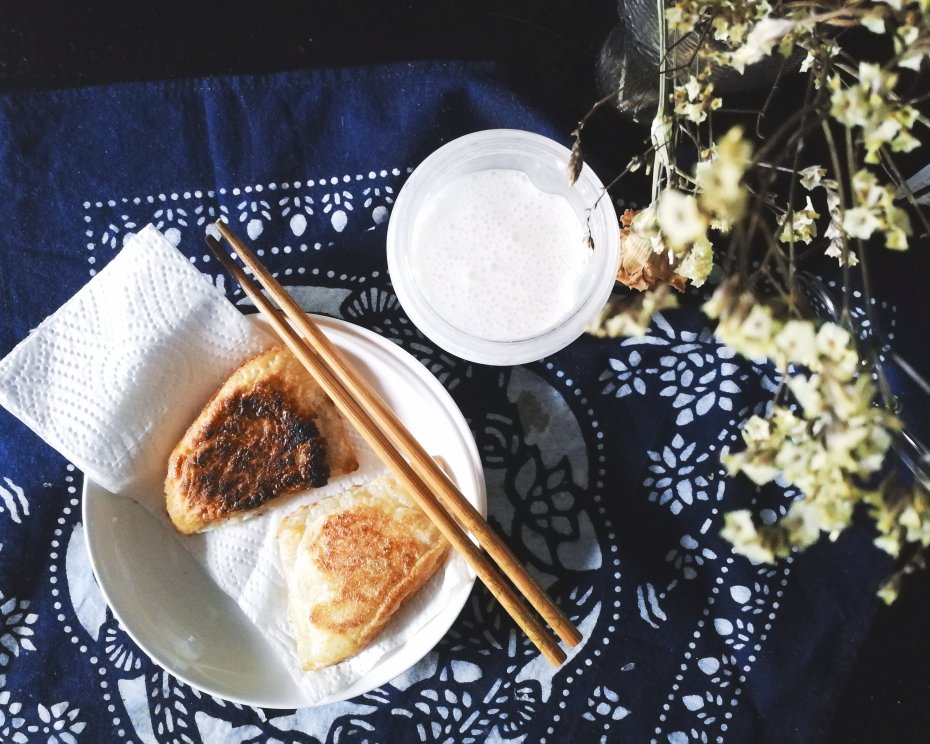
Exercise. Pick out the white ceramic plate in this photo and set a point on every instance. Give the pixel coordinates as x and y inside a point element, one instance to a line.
<point>182,620</point>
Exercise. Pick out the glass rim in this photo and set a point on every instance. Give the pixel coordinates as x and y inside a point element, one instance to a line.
<point>467,154</point>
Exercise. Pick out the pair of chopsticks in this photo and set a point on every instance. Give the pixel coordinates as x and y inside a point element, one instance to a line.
<point>449,510</point>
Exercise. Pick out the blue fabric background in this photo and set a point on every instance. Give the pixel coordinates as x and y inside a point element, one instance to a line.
<point>602,460</point>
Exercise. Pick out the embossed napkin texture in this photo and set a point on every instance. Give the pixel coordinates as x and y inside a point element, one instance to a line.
<point>114,378</point>
<point>242,559</point>
<point>110,379</point>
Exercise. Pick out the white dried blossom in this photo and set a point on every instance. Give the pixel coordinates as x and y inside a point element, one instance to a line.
<point>756,430</point>
<point>646,227</point>
<point>759,327</point>
<point>678,20</point>
<point>800,225</point>
<point>745,325</point>
<point>632,318</point>
<point>753,337</point>
<point>719,302</point>
<point>876,210</point>
<point>860,222</point>
<point>897,228</point>
<point>695,99</point>
<point>693,88</point>
<point>796,343</point>
<point>680,219</point>
<point>812,176</point>
<point>807,64</point>
<point>806,391</point>
<point>832,341</point>
<point>869,104</point>
<point>738,529</point>
<point>835,235</point>
<point>819,52</point>
<point>824,432</point>
<point>874,21</point>
<point>698,262</point>
<point>719,179</point>
<point>912,59</point>
<point>760,42</point>
<point>803,522</point>
<point>756,469</point>
<point>839,438</point>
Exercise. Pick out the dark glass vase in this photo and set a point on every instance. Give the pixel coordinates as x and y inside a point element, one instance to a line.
<point>628,65</point>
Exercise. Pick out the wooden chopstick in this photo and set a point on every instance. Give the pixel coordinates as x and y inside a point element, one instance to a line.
<point>434,477</point>
<point>363,407</point>
<point>358,416</point>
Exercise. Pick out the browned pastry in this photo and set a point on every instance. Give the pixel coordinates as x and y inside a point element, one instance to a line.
<point>350,561</point>
<point>270,430</point>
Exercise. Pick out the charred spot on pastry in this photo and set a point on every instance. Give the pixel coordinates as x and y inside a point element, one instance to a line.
<point>259,444</point>
<point>269,431</point>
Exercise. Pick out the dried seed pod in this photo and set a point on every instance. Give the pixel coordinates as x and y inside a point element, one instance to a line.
<point>575,162</point>
<point>640,267</point>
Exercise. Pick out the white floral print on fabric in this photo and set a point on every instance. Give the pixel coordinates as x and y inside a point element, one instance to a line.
<point>681,475</point>
<point>698,378</point>
<point>16,633</point>
<point>697,372</point>
<point>13,500</point>
<point>321,207</point>
<point>56,723</point>
<point>539,437</point>
<point>627,377</point>
<point>711,682</point>
<point>12,722</point>
<point>701,381</point>
<point>559,533</point>
<point>689,557</point>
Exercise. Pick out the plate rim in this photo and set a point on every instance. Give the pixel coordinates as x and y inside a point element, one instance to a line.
<point>425,377</point>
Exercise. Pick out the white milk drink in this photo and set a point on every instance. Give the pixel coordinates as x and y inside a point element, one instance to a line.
<point>498,258</point>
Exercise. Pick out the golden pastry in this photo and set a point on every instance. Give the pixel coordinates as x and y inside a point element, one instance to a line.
<point>269,431</point>
<point>350,561</point>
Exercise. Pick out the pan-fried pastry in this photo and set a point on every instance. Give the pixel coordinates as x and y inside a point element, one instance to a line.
<point>270,430</point>
<point>350,561</point>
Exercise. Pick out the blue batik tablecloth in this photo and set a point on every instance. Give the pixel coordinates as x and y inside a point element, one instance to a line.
<point>602,461</point>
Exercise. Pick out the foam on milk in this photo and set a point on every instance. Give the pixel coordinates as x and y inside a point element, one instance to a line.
<point>496,257</point>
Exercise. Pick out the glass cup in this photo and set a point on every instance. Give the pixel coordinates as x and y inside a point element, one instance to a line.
<point>545,164</point>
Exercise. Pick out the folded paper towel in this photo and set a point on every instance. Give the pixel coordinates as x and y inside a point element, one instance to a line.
<point>113,379</point>
<point>91,380</point>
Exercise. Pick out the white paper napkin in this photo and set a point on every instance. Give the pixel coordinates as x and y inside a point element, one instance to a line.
<point>243,561</point>
<point>111,379</point>
<point>114,378</point>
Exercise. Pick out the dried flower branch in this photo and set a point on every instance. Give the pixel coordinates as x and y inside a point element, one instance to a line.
<point>763,205</point>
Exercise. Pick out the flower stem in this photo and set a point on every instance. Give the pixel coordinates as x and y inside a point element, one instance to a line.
<point>659,130</point>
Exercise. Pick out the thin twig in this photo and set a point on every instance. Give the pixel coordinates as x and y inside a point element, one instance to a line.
<point>841,190</point>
